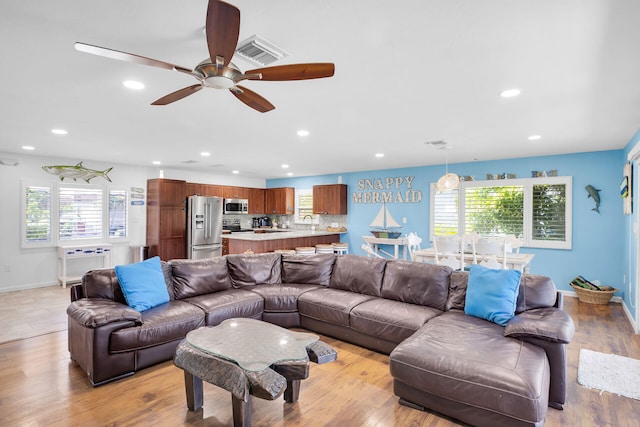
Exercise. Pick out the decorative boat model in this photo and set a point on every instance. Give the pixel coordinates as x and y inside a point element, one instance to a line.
<point>384,226</point>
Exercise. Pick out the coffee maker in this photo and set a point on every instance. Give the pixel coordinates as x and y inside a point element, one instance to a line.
<point>260,222</point>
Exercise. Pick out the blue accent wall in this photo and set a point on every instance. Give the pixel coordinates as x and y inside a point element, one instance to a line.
<point>600,242</point>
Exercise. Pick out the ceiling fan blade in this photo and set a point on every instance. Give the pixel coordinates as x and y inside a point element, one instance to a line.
<point>222,28</point>
<point>129,57</point>
<point>294,71</point>
<point>252,99</point>
<point>177,95</point>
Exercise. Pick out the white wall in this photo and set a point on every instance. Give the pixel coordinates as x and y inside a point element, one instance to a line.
<point>24,268</point>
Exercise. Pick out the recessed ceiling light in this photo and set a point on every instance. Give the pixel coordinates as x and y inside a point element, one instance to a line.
<point>510,93</point>
<point>534,137</point>
<point>303,132</point>
<point>379,154</point>
<point>289,173</point>
<point>156,162</point>
<point>236,172</point>
<point>132,84</point>
<point>59,131</point>
<point>285,166</point>
<point>205,154</point>
<point>28,147</point>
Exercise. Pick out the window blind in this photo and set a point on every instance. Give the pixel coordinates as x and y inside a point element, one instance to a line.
<point>37,214</point>
<point>80,213</point>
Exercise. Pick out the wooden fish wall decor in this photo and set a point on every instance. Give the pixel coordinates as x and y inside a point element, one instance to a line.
<point>76,172</point>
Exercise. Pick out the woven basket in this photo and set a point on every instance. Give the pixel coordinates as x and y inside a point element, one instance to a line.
<point>593,297</point>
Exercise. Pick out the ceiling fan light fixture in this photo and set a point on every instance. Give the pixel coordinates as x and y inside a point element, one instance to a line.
<point>219,82</point>
<point>133,84</point>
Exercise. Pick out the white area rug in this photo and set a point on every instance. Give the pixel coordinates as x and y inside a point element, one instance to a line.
<point>609,372</point>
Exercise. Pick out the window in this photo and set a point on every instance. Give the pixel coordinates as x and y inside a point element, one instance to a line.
<point>37,214</point>
<point>536,210</point>
<point>80,213</point>
<point>67,213</point>
<point>304,208</point>
<point>117,213</point>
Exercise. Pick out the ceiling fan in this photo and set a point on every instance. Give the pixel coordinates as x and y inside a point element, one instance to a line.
<point>222,31</point>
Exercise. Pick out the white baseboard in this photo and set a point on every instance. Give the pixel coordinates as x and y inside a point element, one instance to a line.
<point>29,286</point>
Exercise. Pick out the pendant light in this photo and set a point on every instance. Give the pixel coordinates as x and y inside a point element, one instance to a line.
<point>448,181</point>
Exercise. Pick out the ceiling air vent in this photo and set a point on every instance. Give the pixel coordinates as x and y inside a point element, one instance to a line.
<point>260,52</point>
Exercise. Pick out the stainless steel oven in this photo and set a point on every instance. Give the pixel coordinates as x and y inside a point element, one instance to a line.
<point>236,206</point>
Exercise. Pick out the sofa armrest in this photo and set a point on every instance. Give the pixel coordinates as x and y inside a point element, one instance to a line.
<point>93,313</point>
<point>549,324</point>
<point>76,292</point>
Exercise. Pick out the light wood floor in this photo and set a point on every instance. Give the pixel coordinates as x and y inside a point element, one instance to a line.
<point>40,386</point>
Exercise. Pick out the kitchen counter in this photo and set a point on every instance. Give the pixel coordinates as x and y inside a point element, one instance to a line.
<point>261,242</point>
<point>277,234</point>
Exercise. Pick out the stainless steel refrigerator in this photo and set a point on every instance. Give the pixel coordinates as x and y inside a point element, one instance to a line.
<point>204,227</point>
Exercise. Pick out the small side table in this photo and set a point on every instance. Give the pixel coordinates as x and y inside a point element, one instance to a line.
<point>66,253</point>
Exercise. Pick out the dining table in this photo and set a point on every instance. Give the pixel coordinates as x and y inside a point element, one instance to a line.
<point>514,260</point>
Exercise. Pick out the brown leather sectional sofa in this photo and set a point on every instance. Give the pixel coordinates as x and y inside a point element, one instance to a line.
<point>441,359</point>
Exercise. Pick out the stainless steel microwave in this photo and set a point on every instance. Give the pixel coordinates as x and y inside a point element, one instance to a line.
<point>236,206</point>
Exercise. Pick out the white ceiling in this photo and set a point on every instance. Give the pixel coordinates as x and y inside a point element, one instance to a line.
<point>406,72</point>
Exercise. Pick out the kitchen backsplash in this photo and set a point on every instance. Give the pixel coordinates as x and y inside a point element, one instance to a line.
<point>325,221</point>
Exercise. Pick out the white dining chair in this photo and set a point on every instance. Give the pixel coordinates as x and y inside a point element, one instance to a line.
<point>468,244</point>
<point>447,251</point>
<point>413,244</point>
<point>513,243</point>
<point>492,252</point>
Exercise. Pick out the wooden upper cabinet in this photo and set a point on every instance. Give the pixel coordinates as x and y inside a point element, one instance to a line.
<point>166,192</point>
<point>330,199</point>
<point>235,192</point>
<point>204,189</point>
<point>256,200</point>
<point>280,201</point>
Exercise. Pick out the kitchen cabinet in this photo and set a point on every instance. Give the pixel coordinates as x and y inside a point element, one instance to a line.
<point>235,192</point>
<point>279,200</point>
<point>225,246</point>
<point>204,189</point>
<point>256,200</point>
<point>166,218</point>
<point>330,199</point>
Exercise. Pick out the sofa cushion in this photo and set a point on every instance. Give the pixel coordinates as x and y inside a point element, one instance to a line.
<point>390,320</point>
<point>229,303</point>
<point>549,324</point>
<point>249,270</point>
<point>465,359</point>
<point>103,283</point>
<point>162,324</point>
<point>535,292</point>
<point>282,297</point>
<point>416,283</point>
<point>314,269</point>
<point>358,274</point>
<point>492,294</point>
<point>193,277</point>
<point>457,290</point>
<point>330,305</point>
<point>143,284</point>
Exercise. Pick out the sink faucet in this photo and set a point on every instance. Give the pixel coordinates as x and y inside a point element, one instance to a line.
<point>305,217</point>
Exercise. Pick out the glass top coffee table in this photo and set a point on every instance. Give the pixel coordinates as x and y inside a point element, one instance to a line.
<point>248,357</point>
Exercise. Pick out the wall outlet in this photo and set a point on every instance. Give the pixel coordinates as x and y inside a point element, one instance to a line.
<point>404,219</point>
<point>7,268</point>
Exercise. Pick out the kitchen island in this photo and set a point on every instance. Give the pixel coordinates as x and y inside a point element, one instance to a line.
<point>270,240</point>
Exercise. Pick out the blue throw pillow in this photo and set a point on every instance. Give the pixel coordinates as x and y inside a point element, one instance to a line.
<point>492,294</point>
<point>143,284</point>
